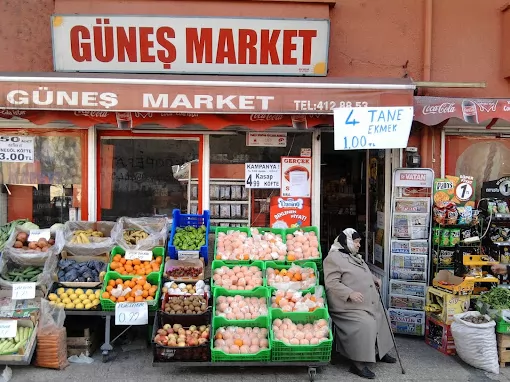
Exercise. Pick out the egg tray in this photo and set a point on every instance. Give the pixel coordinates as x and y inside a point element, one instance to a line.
<point>219,263</point>
<point>308,264</point>
<point>257,292</point>
<point>301,353</point>
<point>153,278</point>
<point>199,353</point>
<point>57,285</point>
<point>167,296</point>
<point>156,252</point>
<point>221,356</point>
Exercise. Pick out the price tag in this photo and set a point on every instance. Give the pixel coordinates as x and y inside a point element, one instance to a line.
<point>504,188</point>
<point>464,191</point>
<point>17,149</point>
<point>36,234</point>
<point>131,313</point>
<point>8,328</point>
<point>23,291</point>
<point>140,255</point>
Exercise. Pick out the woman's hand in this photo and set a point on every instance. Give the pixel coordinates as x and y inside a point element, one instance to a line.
<point>356,297</point>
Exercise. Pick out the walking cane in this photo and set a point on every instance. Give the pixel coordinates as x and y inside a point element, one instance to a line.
<point>391,331</point>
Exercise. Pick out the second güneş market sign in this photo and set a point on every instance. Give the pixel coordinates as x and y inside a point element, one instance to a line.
<point>213,45</point>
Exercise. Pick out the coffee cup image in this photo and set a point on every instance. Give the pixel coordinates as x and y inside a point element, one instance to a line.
<point>484,161</point>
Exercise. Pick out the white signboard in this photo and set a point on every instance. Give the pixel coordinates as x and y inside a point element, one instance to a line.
<point>296,177</point>
<point>262,175</point>
<point>266,139</point>
<point>36,234</point>
<point>214,45</point>
<point>17,149</point>
<point>140,255</point>
<point>360,128</point>
<point>23,291</point>
<point>8,328</point>
<point>414,177</point>
<point>131,313</point>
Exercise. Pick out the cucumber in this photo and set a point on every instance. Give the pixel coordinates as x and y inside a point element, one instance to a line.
<point>26,333</point>
<point>17,338</point>
<point>28,269</point>
<point>34,278</point>
<point>4,345</point>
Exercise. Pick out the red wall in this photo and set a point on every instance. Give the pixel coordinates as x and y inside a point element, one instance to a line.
<point>369,38</point>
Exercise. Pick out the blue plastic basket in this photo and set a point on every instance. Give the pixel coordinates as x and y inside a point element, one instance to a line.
<point>183,220</point>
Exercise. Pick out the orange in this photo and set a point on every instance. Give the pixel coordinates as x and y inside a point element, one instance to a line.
<point>109,288</point>
<point>138,298</point>
<point>297,277</point>
<point>145,294</point>
<point>129,262</point>
<point>112,283</point>
<point>117,258</point>
<point>121,299</point>
<point>120,269</point>
<point>150,298</point>
<point>277,300</point>
<point>114,265</point>
<point>140,280</point>
<point>290,274</point>
<point>112,298</point>
<point>105,295</point>
<point>218,257</point>
<point>132,284</point>
<point>137,262</point>
<point>140,272</point>
<point>291,257</point>
<point>130,299</point>
<point>123,261</point>
<point>152,291</point>
<point>159,259</point>
<point>124,273</point>
<point>129,268</point>
<point>146,286</point>
<point>118,281</point>
<point>238,342</point>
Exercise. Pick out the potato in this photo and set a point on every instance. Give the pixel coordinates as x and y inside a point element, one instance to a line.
<point>22,236</point>
<point>51,241</point>
<point>32,245</point>
<point>18,244</point>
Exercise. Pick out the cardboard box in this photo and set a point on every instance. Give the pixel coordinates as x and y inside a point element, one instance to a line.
<point>451,304</point>
<point>439,335</point>
<point>85,342</point>
<point>24,357</point>
<point>10,308</point>
<point>81,259</point>
<point>445,280</point>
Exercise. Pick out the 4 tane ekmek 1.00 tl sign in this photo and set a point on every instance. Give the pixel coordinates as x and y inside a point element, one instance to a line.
<point>170,44</point>
<point>361,128</point>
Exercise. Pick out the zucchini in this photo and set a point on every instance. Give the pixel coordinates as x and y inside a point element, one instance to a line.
<point>17,338</point>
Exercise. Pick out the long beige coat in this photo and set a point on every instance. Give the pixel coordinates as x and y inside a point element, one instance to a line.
<point>360,327</point>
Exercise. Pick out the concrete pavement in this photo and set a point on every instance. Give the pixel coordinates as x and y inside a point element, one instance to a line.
<point>421,362</point>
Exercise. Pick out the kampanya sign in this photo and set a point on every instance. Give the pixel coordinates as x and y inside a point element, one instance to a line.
<point>145,44</point>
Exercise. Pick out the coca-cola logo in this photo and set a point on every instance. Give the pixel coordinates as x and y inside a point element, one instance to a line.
<point>444,108</point>
<point>187,115</point>
<point>95,114</point>
<point>266,117</point>
<point>486,105</point>
<point>290,203</point>
<point>13,112</point>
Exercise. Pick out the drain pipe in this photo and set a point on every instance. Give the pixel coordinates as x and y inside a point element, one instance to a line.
<point>427,68</point>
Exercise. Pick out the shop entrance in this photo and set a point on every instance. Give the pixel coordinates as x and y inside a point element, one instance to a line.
<point>343,191</point>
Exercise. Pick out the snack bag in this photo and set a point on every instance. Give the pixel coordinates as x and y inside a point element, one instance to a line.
<point>445,238</point>
<point>454,236</point>
<point>502,207</point>
<point>436,235</point>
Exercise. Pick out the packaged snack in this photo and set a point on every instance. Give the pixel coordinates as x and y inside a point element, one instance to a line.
<point>244,210</point>
<point>445,237</point>
<point>225,193</point>
<point>439,215</point>
<point>454,236</point>
<point>492,208</point>
<point>436,235</point>
<point>435,257</point>
<point>465,214</point>
<point>244,195</point>
<point>445,257</point>
<point>452,216</point>
<point>475,217</point>
<point>502,207</point>
<point>214,192</point>
<point>235,211</point>
<point>215,211</point>
<point>466,233</point>
<point>224,211</point>
<point>194,192</point>
<point>236,193</point>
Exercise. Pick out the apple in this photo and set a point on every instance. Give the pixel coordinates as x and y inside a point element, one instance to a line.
<point>202,328</point>
<point>192,328</point>
<point>167,327</point>
<point>164,341</point>
<point>181,332</point>
<point>202,341</point>
<point>172,343</point>
<point>205,334</point>
<point>162,332</point>
<point>176,327</point>
<point>181,344</point>
<point>170,330</point>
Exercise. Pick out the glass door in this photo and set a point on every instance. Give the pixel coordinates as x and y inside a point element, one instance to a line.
<point>376,170</point>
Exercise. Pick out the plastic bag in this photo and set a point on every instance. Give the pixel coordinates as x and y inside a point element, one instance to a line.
<point>51,338</point>
<point>83,359</point>
<point>476,343</point>
<point>55,249</point>
<point>11,261</point>
<point>156,228</point>
<point>98,245</point>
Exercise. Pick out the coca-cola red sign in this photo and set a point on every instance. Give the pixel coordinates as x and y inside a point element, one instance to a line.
<point>434,110</point>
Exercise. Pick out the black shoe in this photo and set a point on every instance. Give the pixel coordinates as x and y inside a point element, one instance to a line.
<point>363,373</point>
<point>387,359</point>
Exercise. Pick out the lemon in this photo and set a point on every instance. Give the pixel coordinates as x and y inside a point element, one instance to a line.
<point>53,303</point>
<point>80,306</point>
<point>66,300</point>
<point>63,295</point>
<point>61,305</point>
<point>89,292</point>
<point>58,300</point>
<point>70,291</point>
<point>89,306</point>
<point>60,290</point>
<point>79,291</point>
<point>70,306</point>
<point>82,297</point>
<point>52,297</point>
<point>73,296</point>
<point>86,301</point>
<point>98,293</point>
<point>96,302</point>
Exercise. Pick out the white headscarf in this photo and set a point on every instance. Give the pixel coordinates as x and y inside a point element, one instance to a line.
<point>345,241</point>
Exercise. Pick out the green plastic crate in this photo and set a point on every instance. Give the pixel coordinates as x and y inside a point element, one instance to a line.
<point>225,230</point>
<point>281,352</point>
<point>219,263</point>
<point>274,265</point>
<point>153,278</point>
<point>317,261</point>
<point>220,356</point>
<point>156,252</point>
<point>272,291</point>
<point>257,292</point>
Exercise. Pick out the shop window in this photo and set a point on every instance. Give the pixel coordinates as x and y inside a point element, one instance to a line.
<point>142,177</point>
<point>49,189</point>
<point>229,153</point>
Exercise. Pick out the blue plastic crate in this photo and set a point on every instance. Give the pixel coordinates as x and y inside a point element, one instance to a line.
<point>185,220</point>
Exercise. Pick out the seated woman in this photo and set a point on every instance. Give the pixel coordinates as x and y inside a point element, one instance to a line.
<point>355,307</point>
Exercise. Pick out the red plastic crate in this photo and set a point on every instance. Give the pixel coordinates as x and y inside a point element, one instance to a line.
<point>439,335</point>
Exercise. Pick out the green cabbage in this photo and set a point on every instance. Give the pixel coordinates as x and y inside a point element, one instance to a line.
<point>29,225</point>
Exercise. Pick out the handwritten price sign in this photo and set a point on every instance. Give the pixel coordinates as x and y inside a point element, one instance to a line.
<point>131,313</point>
<point>23,291</point>
<point>36,234</point>
<point>362,128</point>
<point>140,255</point>
<point>8,328</point>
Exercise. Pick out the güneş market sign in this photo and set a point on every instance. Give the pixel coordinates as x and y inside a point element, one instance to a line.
<point>206,45</point>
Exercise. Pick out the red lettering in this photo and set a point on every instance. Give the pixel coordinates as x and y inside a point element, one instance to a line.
<point>103,42</point>
<point>199,47</point>
<point>268,41</point>
<point>226,49</point>
<point>80,50</point>
<point>307,35</point>
<point>247,46</point>
<point>289,47</point>
<point>168,53</point>
<point>146,44</point>
<point>126,45</point>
